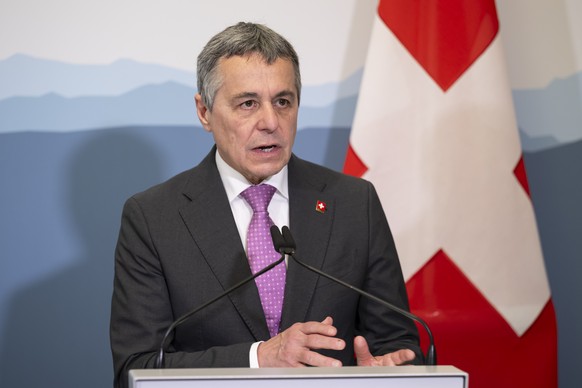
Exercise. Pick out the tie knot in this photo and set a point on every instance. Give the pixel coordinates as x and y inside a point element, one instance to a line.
<point>259,196</point>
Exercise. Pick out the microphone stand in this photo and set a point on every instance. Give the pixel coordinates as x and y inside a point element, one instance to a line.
<point>161,352</point>
<point>286,245</point>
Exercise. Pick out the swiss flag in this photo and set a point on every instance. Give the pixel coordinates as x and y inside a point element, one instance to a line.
<point>435,132</point>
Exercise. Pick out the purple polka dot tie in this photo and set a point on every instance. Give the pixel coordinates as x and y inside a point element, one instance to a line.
<point>261,253</point>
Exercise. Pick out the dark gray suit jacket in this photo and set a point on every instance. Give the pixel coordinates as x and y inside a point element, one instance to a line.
<point>179,247</point>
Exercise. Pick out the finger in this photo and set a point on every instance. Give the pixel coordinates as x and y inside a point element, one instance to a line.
<point>400,357</point>
<point>315,359</point>
<point>362,352</point>
<point>322,328</point>
<point>314,335</point>
<point>293,347</point>
<point>328,321</point>
<point>317,341</point>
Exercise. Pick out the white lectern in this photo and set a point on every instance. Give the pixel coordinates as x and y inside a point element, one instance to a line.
<point>368,377</point>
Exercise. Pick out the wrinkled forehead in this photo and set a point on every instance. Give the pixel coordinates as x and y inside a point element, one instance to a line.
<point>251,71</point>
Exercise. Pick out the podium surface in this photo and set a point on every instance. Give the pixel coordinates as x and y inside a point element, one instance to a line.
<point>386,377</point>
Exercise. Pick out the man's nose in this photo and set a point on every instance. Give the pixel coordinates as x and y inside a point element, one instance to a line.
<point>269,119</point>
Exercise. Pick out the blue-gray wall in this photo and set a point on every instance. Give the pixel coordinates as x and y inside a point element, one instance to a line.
<point>60,204</point>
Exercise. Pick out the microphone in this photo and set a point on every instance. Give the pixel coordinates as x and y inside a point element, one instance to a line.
<point>159,364</point>
<point>285,244</point>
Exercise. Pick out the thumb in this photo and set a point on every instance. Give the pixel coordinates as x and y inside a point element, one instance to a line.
<point>362,351</point>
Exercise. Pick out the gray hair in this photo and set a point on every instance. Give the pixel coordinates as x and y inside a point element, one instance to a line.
<point>241,39</point>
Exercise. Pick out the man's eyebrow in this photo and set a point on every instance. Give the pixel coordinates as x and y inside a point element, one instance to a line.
<point>245,95</point>
<point>285,93</point>
<point>282,93</point>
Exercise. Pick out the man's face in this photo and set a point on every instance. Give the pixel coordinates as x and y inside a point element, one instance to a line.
<point>254,116</point>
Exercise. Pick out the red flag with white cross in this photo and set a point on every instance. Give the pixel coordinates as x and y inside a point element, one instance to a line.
<point>435,132</point>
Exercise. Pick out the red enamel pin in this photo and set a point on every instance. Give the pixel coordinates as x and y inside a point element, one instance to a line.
<point>321,206</point>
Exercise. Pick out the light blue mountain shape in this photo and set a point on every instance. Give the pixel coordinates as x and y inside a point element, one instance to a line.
<point>537,143</point>
<point>22,75</point>
<point>327,93</point>
<point>339,113</point>
<point>26,76</point>
<point>550,116</point>
<point>150,103</point>
<point>167,104</point>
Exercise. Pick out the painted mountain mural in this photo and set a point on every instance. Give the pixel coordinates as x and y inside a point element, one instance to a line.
<point>77,140</point>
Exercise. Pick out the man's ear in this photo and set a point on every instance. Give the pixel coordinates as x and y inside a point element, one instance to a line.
<point>203,112</point>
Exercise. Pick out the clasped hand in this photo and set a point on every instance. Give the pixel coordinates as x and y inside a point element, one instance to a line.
<point>295,347</point>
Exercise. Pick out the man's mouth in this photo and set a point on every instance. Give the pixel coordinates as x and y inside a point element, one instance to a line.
<point>268,148</point>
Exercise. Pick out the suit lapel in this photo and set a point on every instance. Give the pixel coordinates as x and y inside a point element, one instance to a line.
<point>311,231</point>
<point>211,224</point>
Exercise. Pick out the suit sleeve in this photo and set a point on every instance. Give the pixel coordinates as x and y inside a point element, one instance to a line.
<point>141,308</point>
<point>385,330</point>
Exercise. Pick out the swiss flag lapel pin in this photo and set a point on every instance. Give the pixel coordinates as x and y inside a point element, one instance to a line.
<point>321,207</point>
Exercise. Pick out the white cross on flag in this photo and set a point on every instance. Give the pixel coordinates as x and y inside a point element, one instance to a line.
<point>435,132</point>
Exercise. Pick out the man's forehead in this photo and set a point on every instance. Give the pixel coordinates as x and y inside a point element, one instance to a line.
<point>234,61</point>
<point>242,72</point>
<point>254,56</point>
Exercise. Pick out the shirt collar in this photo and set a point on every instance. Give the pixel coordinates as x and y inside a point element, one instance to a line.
<point>234,183</point>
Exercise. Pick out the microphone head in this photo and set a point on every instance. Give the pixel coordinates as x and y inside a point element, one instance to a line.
<point>289,242</point>
<point>278,240</point>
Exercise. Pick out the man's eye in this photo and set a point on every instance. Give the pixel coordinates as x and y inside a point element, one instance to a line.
<point>283,102</point>
<point>248,104</point>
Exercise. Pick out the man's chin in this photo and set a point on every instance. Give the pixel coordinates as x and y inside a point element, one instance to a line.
<point>259,175</point>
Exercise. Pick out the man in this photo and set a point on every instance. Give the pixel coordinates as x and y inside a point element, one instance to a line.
<point>184,242</point>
